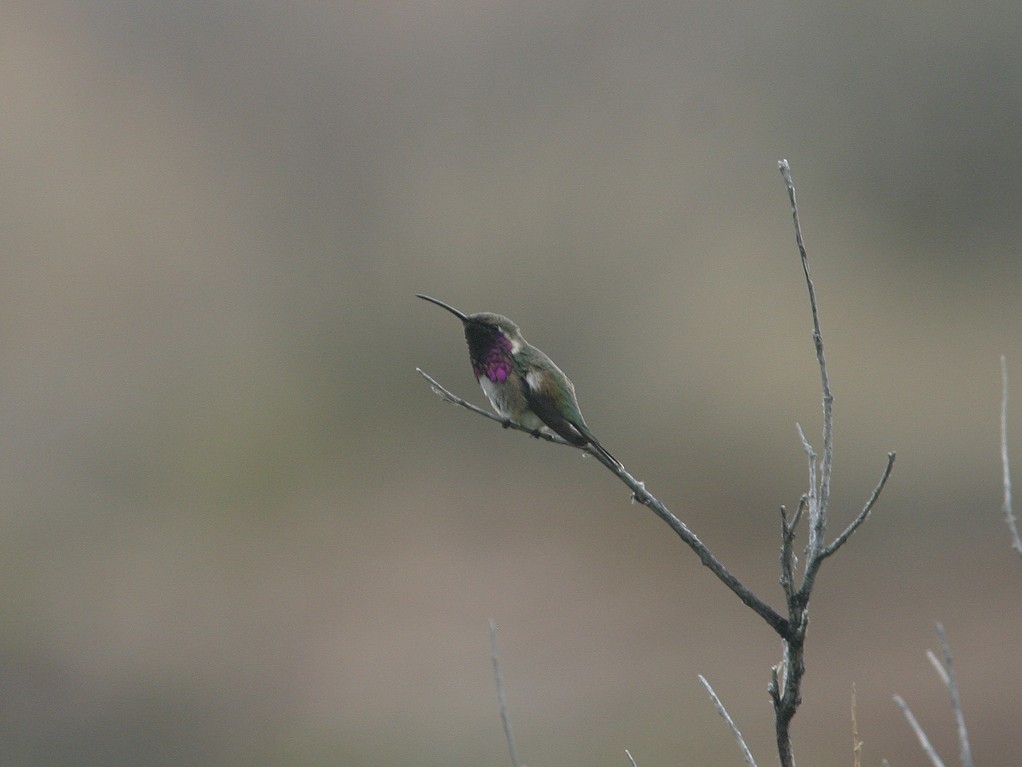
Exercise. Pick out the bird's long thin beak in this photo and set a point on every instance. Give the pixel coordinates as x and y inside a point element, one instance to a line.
<point>460,315</point>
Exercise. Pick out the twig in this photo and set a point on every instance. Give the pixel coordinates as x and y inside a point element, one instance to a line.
<point>641,495</point>
<point>788,558</point>
<point>813,566</point>
<point>948,677</point>
<point>448,396</point>
<point>856,741</point>
<point>1016,542</point>
<point>945,671</point>
<point>864,514</point>
<point>630,758</point>
<point>819,524</point>
<point>786,677</point>
<point>812,497</point>
<point>924,742</point>
<point>498,678</point>
<point>938,666</point>
<point>812,494</point>
<point>730,722</point>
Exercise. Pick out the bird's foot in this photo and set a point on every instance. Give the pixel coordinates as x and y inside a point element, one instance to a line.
<point>506,423</point>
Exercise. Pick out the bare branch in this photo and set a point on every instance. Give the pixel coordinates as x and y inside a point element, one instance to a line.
<point>938,666</point>
<point>813,565</point>
<point>828,398</point>
<point>641,495</point>
<point>498,679</point>
<point>730,722</point>
<point>789,561</point>
<point>1009,516</point>
<point>798,514</point>
<point>924,741</point>
<point>761,608</point>
<point>448,396</point>
<point>945,671</point>
<point>812,499</point>
<point>856,740</point>
<point>785,686</point>
<point>630,759</point>
<point>786,680</point>
<point>948,677</point>
<point>864,514</point>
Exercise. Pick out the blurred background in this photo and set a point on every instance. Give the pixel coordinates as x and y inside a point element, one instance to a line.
<point>237,528</point>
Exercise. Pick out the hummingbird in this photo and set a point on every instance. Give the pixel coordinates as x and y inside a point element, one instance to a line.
<point>522,383</point>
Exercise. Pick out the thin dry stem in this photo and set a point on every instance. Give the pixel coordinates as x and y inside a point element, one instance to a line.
<point>448,396</point>
<point>730,722</point>
<point>924,742</point>
<point>820,526</point>
<point>498,679</point>
<point>856,740</point>
<point>938,666</point>
<point>945,671</point>
<point>948,677</point>
<point>788,559</point>
<point>864,514</point>
<point>1009,516</point>
<point>813,506</point>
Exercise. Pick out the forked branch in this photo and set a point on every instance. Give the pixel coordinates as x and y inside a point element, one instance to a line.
<point>786,679</point>
<point>785,686</point>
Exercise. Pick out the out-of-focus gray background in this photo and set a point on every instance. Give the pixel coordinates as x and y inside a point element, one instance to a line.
<point>237,528</point>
